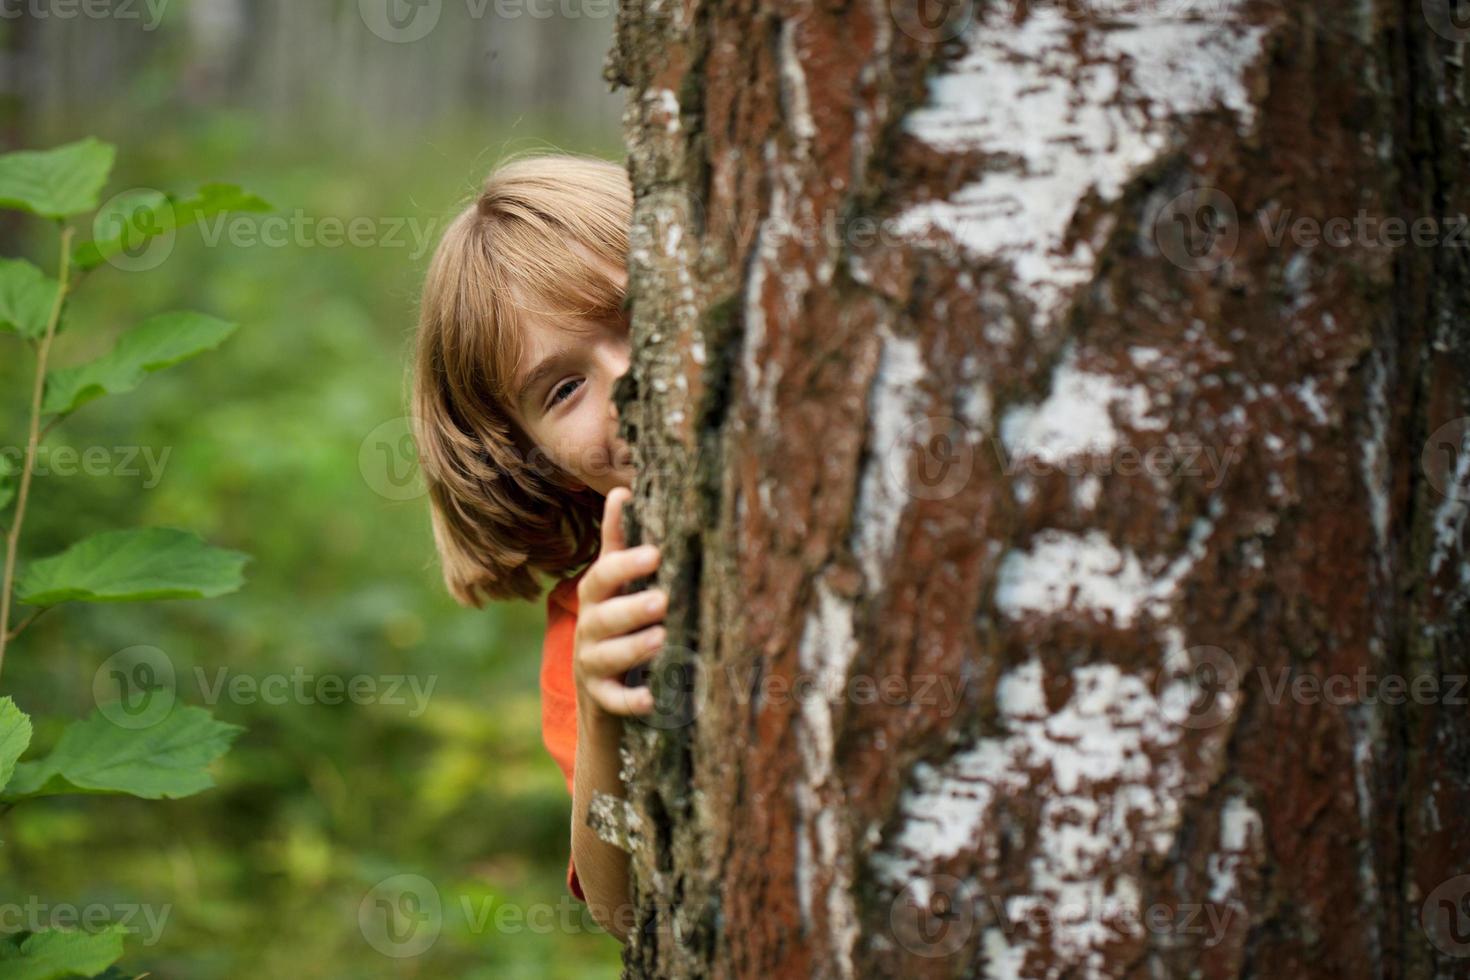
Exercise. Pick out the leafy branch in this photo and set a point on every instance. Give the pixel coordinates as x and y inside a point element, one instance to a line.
<point>27,466</point>
<point>142,744</point>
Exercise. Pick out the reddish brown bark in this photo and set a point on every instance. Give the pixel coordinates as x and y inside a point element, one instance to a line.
<point>1103,755</point>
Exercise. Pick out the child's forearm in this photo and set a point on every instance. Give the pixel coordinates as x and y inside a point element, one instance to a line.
<point>602,868</point>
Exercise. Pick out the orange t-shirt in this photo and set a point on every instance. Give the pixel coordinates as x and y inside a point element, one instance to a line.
<point>559,691</point>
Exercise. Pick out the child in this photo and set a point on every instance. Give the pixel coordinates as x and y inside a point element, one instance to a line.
<point>521,335</point>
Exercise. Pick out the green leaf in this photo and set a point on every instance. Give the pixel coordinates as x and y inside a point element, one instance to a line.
<point>8,473</point>
<point>96,756</point>
<point>56,183</point>
<point>15,735</point>
<point>26,297</point>
<point>133,218</point>
<point>155,344</point>
<point>58,953</point>
<point>132,566</point>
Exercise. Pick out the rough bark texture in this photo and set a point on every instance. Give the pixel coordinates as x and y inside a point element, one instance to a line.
<point>900,457</point>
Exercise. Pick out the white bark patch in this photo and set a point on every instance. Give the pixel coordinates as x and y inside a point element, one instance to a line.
<point>1367,728</point>
<point>1087,492</point>
<point>895,405</point>
<point>1374,459</point>
<point>797,107</point>
<point>1145,357</point>
<point>976,402</point>
<point>1107,766</point>
<point>1002,960</point>
<point>664,102</point>
<point>1311,399</point>
<point>1077,415</point>
<point>1240,833</point>
<point>1065,112</point>
<point>825,653</point>
<point>755,314</point>
<point>762,390</point>
<point>1453,511</point>
<point>1065,572</point>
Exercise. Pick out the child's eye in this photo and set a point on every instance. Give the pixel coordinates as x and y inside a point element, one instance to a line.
<point>558,397</point>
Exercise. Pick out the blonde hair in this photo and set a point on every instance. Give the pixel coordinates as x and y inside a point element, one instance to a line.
<point>538,238</point>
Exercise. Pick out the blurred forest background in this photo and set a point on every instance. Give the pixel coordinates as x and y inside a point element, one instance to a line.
<point>289,443</point>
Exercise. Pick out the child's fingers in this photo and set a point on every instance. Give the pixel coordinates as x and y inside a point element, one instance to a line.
<point>622,614</point>
<point>620,654</point>
<point>597,585</point>
<point>612,570</point>
<point>613,538</point>
<point>618,699</point>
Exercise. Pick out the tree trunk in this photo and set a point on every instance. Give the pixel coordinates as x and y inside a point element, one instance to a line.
<point>1067,549</point>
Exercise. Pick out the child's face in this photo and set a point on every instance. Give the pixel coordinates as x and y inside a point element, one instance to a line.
<point>567,409</point>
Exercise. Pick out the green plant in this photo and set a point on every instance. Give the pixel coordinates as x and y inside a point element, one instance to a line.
<point>166,755</point>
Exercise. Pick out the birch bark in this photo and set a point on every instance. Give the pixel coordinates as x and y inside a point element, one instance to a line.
<point>1062,471</point>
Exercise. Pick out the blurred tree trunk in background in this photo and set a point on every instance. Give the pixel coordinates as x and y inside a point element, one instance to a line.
<point>219,36</point>
<point>14,70</point>
<point>320,66</point>
<point>1024,469</point>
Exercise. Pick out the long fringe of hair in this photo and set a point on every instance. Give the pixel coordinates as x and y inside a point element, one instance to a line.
<point>538,238</point>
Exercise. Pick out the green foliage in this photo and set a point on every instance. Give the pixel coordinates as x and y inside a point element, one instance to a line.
<point>56,183</point>
<point>133,566</point>
<point>7,482</point>
<point>159,342</point>
<point>166,759</point>
<point>15,736</point>
<point>56,953</point>
<point>316,803</point>
<point>26,297</point>
<point>167,756</point>
<point>134,218</point>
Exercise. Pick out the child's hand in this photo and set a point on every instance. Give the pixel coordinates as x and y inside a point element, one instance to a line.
<point>606,645</point>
